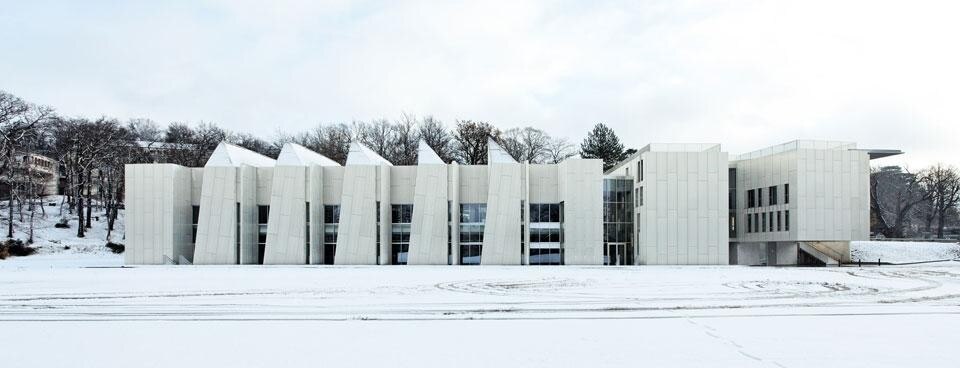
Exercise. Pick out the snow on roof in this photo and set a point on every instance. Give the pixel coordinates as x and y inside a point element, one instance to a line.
<point>496,154</point>
<point>293,154</point>
<point>361,155</point>
<point>227,154</point>
<point>427,155</point>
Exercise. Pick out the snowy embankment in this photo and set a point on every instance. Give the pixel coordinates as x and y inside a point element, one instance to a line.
<point>59,245</point>
<point>902,252</point>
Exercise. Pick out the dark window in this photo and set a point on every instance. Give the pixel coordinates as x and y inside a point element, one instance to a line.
<point>751,202</point>
<point>331,214</point>
<point>196,219</point>
<point>641,169</point>
<point>749,223</point>
<point>786,193</point>
<point>773,195</point>
<point>779,222</point>
<point>759,197</point>
<point>756,223</point>
<point>786,220</point>
<point>763,223</point>
<point>263,213</point>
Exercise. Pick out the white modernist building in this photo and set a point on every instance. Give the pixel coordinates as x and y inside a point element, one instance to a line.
<point>666,204</point>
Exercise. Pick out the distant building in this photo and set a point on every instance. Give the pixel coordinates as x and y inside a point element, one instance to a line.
<point>667,204</point>
<point>31,172</point>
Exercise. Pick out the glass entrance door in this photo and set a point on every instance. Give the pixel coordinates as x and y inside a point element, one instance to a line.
<point>615,254</point>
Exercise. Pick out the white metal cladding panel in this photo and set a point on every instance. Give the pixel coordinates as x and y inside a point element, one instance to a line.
<point>428,237</point>
<point>501,234</point>
<point>581,191</point>
<point>196,185</point>
<point>544,184</point>
<point>762,173</point>
<point>383,195</point>
<point>315,197</point>
<point>332,184</point>
<point>356,239</point>
<point>286,226</point>
<point>157,197</point>
<point>248,215</point>
<point>264,189</point>
<point>833,200</point>
<point>683,217</point>
<point>474,184</point>
<point>216,227</point>
<point>403,180</point>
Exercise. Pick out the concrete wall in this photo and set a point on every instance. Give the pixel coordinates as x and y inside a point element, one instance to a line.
<point>357,237</point>
<point>158,214</point>
<point>287,223</point>
<point>428,237</point>
<point>581,191</point>
<point>217,225</point>
<point>683,218</point>
<point>501,235</point>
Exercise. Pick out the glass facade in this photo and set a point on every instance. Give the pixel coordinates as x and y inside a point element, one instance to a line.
<point>473,216</point>
<point>546,233</point>
<point>331,221</point>
<point>617,221</point>
<point>263,213</point>
<point>401,216</point>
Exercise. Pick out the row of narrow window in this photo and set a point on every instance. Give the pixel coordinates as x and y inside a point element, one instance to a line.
<point>755,196</point>
<point>768,221</point>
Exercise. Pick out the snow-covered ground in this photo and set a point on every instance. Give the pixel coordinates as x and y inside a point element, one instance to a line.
<point>722,316</point>
<point>902,252</point>
<point>48,239</point>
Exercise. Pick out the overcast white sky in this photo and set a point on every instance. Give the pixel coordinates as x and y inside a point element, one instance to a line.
<point>747,74</point>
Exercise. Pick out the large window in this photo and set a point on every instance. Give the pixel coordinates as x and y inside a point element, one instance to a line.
<point>618,221</point>
<point>472,219</point>
<point>331,224</point>
<point>545,233</point>
<point>263,213</point>
<point>401,215</point>
<point>196,219</point>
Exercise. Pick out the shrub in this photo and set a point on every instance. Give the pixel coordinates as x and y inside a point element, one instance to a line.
<point>15,248</point>
<point>64,223</point>
<point>116,247</point>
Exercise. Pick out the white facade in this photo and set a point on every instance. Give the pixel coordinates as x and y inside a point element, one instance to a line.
<point>668,204</point>
<point>805,193</point>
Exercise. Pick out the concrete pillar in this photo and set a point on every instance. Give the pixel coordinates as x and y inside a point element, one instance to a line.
<point>385,240</point>
<point>454,213</point>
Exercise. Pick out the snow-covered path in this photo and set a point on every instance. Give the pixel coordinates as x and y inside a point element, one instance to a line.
<point>481,316</point>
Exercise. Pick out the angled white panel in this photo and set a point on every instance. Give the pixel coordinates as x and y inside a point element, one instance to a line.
<point>362,155</point>
<point>217,225</point>
<point>426,155</point>
<point>501,234</point>
<point>357,237</point>
<point>294,154</point>
<point>496,154</point>
<point>287,223</point>
<point>227,154</point>
<point>428,237</point>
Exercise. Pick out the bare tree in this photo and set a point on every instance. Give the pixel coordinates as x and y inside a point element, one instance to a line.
<point>943,185</point>
<point>378,135</point>
<point>894,194</point>
<point>18,120</point>
<point>255,144</point>
<point>437,137</point>
<point>145,130</point>
<point>558,149</point>
<point>406,139</point>
<point>526,144</point>
<point>333,141</point>
<point>470,138</point>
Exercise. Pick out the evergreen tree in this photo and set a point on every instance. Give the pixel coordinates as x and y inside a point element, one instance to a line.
<point>603,143</point>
